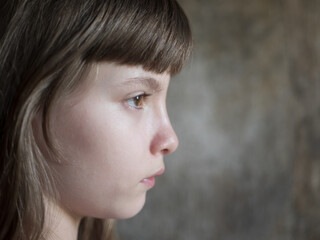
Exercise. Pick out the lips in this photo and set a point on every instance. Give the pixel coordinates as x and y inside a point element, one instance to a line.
<point>150,181</point>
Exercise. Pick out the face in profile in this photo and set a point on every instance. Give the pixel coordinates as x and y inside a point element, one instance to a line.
<point>112,135</point>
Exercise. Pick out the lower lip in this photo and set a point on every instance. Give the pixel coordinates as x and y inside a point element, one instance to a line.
<point>149,182</point>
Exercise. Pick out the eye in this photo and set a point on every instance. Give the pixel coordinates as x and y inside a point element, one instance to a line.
<point>138,101</point>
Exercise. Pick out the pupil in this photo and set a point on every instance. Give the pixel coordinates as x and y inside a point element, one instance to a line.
<point>137,100</point>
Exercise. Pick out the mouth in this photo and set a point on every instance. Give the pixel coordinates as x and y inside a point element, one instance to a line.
<point>150,181</point>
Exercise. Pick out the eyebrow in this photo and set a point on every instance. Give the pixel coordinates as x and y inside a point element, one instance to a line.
<point>147,82</point>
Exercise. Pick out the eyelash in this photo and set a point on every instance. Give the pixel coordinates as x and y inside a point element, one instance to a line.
<point>138,101</point>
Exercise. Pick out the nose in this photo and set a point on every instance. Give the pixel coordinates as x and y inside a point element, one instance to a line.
<point>165,141</point>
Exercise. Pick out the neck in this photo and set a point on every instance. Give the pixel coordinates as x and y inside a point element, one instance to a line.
<point>60,224</point>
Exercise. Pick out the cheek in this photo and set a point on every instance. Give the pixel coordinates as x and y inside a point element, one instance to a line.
<point>103,139</point>
<point>103,162</point>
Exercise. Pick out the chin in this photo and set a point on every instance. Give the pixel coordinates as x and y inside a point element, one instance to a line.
<point>124,211</point>
<point>130,211</point>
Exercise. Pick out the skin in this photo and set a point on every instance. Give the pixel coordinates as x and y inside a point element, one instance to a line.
<point>112,137</point>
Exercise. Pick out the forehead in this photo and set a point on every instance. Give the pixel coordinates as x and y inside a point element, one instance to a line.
<point>109,76</point>
<point>124,75</point>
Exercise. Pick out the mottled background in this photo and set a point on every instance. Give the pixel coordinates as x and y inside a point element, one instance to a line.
<point>247,111</point>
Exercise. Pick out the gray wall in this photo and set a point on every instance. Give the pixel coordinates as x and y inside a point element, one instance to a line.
<point>246,110</point>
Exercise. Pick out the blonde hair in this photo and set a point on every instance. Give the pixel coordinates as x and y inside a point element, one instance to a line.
<point>47,47</point>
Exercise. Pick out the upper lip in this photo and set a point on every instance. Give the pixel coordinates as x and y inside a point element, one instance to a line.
<point>158,173</point>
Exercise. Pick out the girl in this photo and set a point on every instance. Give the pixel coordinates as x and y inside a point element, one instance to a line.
<point>83,121</point>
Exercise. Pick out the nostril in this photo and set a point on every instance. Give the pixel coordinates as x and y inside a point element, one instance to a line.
<point>165,151</point>
<point>164,141</point>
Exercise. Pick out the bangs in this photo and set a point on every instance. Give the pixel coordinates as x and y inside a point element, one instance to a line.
<point>152,33</point>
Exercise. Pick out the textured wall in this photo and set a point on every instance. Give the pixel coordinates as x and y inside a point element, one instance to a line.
<point>247,111</point>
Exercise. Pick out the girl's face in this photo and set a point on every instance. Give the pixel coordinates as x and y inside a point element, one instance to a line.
<point>113,136</point>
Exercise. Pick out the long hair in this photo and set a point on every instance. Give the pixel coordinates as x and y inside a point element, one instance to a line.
<point>46,49</point>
